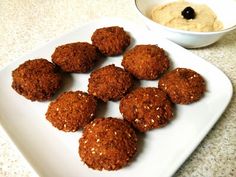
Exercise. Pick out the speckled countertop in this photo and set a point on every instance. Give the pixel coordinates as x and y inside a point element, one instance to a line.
<point>27,24</point>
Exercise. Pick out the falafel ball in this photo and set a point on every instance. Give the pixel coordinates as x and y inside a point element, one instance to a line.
<point>71,110</point>
<point>109,83</point>
<point>107,143</point>
<point>146,61</point>
<point>111,40</point>
<point>183,86</point>
<point>77,57</point>
<point>37,79</point>
<point>147,108</point>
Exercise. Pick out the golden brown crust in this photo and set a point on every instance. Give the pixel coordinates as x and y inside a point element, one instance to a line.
<point>107,143</point>
<point>36,80</point>
<point>147,108</point>
<point>71,110</point>
<point>146,61</point>
<point>184,86</point>
<point>76,57</point>
<point>109,83</point>
<point>111,40</point>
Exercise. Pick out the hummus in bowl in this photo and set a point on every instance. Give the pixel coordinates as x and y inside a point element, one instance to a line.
<point>170,14</point>
<point>206,24</point>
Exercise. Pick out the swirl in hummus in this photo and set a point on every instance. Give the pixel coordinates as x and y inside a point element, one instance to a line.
<point>170,15</point>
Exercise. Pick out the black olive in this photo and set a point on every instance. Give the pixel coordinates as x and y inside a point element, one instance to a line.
<point>188,13</point>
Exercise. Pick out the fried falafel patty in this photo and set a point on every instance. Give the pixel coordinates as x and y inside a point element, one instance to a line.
<point>109,83</point>
<point>147,108</point>
<point>146,61</point>
<point>111,40</point>
<point>183,86</point>
<point>107,143</point>
<point>37,79</point>
<point>71,110</point>
<point>77,57</point>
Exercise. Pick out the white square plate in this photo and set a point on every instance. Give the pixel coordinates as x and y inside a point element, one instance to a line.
<point>161,151</point>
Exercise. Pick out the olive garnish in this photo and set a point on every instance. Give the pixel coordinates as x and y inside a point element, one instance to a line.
<point>188,13</point>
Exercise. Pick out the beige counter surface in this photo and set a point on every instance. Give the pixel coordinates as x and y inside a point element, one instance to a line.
<point>28,24</point>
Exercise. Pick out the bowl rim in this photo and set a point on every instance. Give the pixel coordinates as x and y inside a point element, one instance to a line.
<point>183,31</point>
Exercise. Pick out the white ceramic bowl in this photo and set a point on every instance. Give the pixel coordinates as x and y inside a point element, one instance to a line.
<point>224,9</point>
